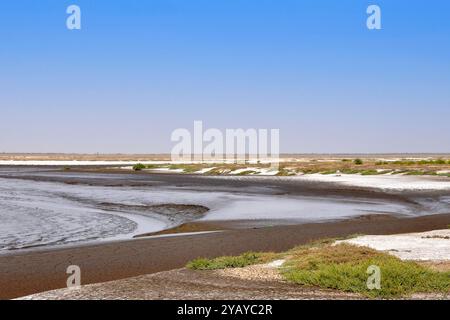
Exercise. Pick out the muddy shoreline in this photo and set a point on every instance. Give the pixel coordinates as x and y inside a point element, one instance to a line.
<point>94,176</point>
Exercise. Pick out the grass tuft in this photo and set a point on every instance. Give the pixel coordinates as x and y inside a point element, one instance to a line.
<point>240,261</point>
<point>138,167</point>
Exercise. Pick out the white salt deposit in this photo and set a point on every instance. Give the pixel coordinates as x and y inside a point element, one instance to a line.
<point>386,182</point>
<point>431,245</point>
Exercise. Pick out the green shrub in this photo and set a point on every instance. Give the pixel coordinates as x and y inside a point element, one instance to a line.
<point>344,267</point>
<point>243,260</point>
<point>358,161</point>
<point>138,167</point>
<point>369,172</point>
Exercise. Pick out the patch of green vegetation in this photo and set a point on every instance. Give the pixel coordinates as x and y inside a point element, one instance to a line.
<point>412,162</point>
<point>370,172</point>
<point>246,172</point>
<point>421,173</point>
<point>309,171</point>
<point>358,161</point>
<point>214,172</point>
<point>408,162</point>
<point>349,171</point>
<point>138,167</point>
<point>343,267</point>
<point>285,172</point>
<point>440,161</point>
<point>345,160</point>
<point>240,261</point>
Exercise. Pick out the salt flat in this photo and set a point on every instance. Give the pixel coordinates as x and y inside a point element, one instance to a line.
<point>421,246</point>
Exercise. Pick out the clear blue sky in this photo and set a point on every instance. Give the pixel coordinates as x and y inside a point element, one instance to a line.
<point>139,69</point>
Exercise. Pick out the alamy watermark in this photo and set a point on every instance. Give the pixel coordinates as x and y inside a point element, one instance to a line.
<point>73,21</point>
<point>374,279</point>
<point>374,20</point>
<point>228,146</point>
<point>74,280</point>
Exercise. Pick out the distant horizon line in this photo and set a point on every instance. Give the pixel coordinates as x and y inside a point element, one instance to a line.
<point>168,153</point>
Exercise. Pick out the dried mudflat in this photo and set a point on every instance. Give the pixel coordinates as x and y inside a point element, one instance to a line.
<point>189,284</point>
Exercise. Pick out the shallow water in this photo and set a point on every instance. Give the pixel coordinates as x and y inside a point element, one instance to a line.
<point>34,213</point>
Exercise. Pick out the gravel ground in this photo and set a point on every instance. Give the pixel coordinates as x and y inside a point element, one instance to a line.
<point>188,284</point>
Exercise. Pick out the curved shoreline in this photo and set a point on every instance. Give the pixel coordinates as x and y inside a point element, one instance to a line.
<point>265,201</point>
<point>264,188</point>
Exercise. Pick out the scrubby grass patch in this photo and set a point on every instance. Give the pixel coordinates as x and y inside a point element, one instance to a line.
<point>421,173</point>
<point>218,171</point>
<point>350,171</point>
<point>246,172</point>
<point>141,166</point>
<point>413,162</point>
<point>285,172</point>
<point>138,167</point>
<point>369,172</point>
<point>243,260</point>
<point>308,171</point>
<point>343,267</point>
